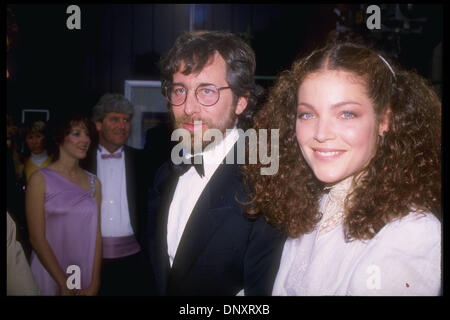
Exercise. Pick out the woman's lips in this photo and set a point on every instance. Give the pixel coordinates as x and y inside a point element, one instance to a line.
<point>327,153</point>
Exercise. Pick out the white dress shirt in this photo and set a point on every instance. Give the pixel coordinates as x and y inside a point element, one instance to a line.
<point>115,216</point>
<point>404,257</point>
<point>189,188</point>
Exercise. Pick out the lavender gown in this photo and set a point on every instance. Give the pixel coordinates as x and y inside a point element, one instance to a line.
<point>71,219</point>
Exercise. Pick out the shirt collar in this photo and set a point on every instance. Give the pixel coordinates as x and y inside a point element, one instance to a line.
<point>213,156</point>
<point>41,155</point>
<point>102,149</point>
<point>217,152</point>
<point>340,190</point>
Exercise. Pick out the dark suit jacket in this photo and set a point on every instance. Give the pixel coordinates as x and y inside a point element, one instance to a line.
<point>136,184</point>
<point>221,250</point>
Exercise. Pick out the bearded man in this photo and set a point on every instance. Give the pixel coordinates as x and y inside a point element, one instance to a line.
<point>198,240</point>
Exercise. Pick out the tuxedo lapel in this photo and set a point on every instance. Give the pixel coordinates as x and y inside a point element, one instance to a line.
<point>207,215</point>
<point>159,251</point>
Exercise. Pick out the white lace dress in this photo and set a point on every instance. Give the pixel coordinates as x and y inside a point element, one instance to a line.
<point>404,258</point>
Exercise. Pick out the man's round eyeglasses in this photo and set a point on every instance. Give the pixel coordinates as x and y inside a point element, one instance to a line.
<point>206,94</point>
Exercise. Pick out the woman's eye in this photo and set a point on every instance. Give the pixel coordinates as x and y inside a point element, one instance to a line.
<point>305,116</point>
<point>348,115</point>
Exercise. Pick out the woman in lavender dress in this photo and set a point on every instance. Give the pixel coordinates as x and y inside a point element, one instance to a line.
<point>63,215</point>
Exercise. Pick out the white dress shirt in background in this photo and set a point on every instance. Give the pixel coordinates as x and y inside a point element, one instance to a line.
<point>115,217</point>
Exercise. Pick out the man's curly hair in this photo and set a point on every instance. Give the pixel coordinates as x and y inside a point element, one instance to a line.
<point>403,175</point>
<point>196,49</point>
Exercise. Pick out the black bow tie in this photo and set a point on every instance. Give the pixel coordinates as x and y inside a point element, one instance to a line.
<point>181,168</point>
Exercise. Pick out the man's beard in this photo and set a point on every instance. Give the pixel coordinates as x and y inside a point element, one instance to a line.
<point>228,122</point>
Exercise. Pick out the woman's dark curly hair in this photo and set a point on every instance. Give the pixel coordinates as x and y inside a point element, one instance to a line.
<point>403,175</point>
<point>61,127</point>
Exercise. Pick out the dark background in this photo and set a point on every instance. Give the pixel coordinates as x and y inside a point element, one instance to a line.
<point>59,69</point>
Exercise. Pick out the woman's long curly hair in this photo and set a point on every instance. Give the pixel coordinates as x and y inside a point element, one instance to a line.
<point>403,175</point>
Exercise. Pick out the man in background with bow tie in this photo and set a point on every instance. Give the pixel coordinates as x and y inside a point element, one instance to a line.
<point>198,240</point>
<point>119,168</point>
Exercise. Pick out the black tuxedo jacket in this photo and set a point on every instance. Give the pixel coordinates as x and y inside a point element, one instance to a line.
<point>221,250</point>
<point>137,186</point>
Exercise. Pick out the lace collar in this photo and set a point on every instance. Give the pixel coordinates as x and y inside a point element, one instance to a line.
<point>332,205</point>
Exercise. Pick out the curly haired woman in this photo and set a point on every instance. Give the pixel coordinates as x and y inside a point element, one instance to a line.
<point>359,185</point>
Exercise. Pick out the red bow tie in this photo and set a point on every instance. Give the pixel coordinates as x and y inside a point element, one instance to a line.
<point>116,155</point>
